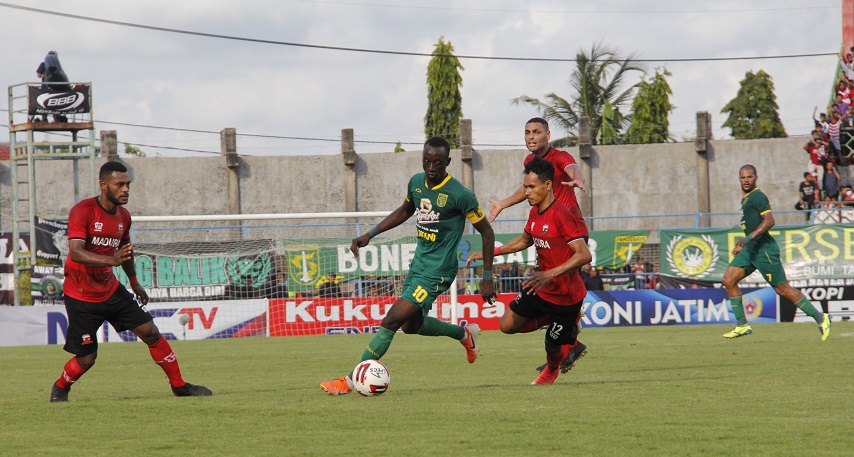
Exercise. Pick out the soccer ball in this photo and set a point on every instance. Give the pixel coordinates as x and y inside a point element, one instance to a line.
<point>370,378</point>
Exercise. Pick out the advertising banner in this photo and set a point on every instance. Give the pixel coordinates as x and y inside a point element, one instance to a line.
<point>209,276</point>
<point>830,296</point>
<point>42,101</point>
<point>807,251</point>
<point>51,241</point>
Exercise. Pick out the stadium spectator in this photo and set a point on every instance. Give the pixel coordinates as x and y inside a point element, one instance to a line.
<point>817,155</point>
<point>759,251</point>
<point>555,293</point>
<point>821,121</point>
<point>848,119</point>
<point>831,181</point>
<point>50,71</point>
<point>443,205</point>
<point>807,195</point>
<point>846,194</point>
<point>330,288</point>
<point>98,240</point>
<point>593,281</point>
<point>833,126</point>
<point>846,64</point>
<point>842,102</point>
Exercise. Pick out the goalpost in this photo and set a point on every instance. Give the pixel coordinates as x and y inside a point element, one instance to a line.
<point>221,276</point>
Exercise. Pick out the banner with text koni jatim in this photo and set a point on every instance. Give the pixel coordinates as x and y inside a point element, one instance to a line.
<point>807,251</point>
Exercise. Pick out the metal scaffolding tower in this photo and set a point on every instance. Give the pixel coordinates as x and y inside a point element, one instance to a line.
<point>32,138</point>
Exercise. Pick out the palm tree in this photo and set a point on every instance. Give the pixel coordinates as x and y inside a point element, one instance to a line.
<point>598,81</point>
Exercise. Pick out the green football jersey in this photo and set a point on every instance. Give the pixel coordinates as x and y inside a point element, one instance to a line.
<point>754,205</point>
<point>440,217</point>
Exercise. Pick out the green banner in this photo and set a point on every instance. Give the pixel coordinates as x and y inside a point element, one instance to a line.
<point>807,251</point>
<point>610,248</point>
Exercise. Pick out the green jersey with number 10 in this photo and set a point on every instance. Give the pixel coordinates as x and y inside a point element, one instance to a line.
<point>440,217</point>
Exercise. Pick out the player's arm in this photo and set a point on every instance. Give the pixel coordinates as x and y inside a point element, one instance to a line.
<point>521,242</point>
<point>79,254</point>
<point>763,228</point>
<point>129,266</point>
<point>580,256</point>
<point>487,238</point>
<point>397,217</point>
<point>496,206</point>
<point>573,170</point>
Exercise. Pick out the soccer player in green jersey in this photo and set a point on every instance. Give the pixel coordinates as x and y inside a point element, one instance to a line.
<point>759,251</point>
<point>441,205</point>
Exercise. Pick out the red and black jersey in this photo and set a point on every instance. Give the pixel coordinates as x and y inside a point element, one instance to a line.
<point>563,193</point>
<point>103,233</point>
<point>552,231</point>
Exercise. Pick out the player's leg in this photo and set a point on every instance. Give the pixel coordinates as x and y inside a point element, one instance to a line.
<point>737,270</point>
<point>561,337</point>
<point>84,319</point>
<point>773,271</point>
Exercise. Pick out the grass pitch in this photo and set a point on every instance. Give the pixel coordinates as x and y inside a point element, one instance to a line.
<point>641,391</point>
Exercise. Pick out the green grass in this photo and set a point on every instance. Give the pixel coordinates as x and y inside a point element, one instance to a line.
<point>641,391</point>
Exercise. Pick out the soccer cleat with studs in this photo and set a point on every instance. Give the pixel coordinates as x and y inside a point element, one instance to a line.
<point>575,354</point>
<point>340,386</point>
<point>191,390</point>
<point>739,330</point>
<point>824,327</point>
<point>470,343</point>
<point>58,394</point>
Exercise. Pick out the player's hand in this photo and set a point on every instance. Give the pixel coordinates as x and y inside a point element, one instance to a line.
<point>537,281</point>
<point>359,242</point>
<point>487,291</point>
<point>123,254</point>
<point>739,245</point>
<point>494,209</point>
<point>140,293</point>
<point>474,257</point>
<point>579,183</point>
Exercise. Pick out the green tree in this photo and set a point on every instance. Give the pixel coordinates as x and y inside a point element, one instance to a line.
<point>134,151</point>
<point>650,109</point>
<point>598,80</point>
<point>753,112</point>
<point>444,101</point>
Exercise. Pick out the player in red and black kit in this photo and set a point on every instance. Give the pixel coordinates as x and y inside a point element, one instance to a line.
<point>567,176</point>
<point>555,292</point>
<point>98,240</point>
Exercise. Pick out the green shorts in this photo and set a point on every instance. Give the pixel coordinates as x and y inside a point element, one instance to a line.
<point>764,258</point>
<point>422,289</point>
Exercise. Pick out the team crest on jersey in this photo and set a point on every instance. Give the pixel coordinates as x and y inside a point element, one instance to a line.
<point>442,200</point>
<point>545,229</point>
<point>121,228</point>
<point>99,226</point>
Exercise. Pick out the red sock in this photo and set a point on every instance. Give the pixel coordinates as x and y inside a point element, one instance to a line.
<point>162,354</point>
<point>535,324</point>
<point>554,360</point>
<point>70,374</point>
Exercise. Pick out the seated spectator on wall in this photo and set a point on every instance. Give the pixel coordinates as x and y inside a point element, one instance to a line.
<point>846,64</point>
<point>846,194</point>
<point>821,121</point>
<point>848,119</point>
<point>842,103</point>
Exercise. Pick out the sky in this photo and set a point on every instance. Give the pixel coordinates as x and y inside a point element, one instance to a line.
<point>169,94</point>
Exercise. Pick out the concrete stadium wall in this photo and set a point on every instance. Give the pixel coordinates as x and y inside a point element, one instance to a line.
<point>631,180</point>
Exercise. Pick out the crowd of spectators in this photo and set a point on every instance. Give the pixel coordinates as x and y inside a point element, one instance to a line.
<point>824,187</point>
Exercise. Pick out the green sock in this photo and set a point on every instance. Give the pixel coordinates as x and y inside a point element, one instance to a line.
<point>435,327</point>
<point>806,306</point>
<point>379,344</point>
<point>738,308</point>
